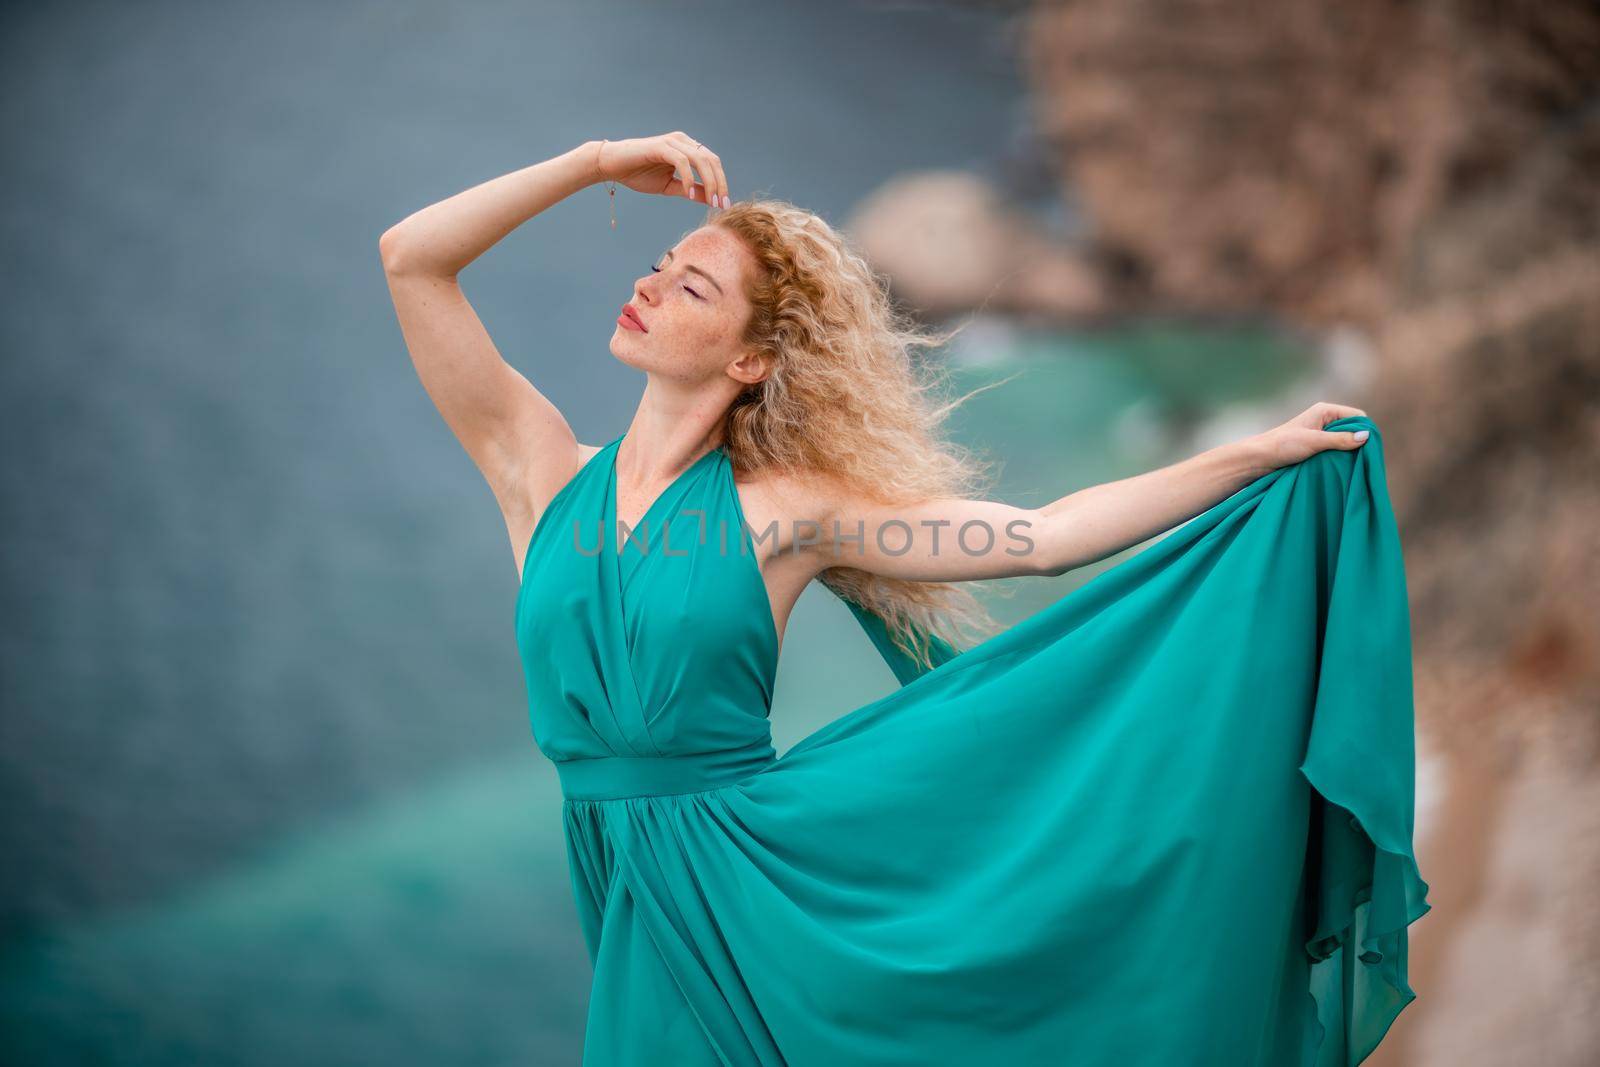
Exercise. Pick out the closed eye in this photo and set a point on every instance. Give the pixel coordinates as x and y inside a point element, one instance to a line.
<point>691,292</point>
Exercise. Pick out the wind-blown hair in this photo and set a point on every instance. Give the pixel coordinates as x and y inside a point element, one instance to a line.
<point>845,400</point>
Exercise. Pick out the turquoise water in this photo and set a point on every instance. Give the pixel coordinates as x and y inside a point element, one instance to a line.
<point>425,929</point>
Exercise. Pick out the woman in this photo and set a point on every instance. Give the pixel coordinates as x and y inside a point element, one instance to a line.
<point>1166,820</point>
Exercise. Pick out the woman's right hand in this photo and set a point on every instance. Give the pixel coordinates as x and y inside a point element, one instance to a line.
<point>662,165</point>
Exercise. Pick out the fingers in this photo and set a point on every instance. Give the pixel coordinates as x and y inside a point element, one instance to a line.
<point>1348,439</point>
<point>685,146</point>
<point>718,178</point>
<point>1333,412</point>
<point>680,160</point>
<point>1344,439</point>
<point>1320,414</point>
<point>709,165</point>
<point>710,168</point>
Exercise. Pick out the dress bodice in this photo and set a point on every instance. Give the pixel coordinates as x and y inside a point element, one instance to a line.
<point>665,652</point>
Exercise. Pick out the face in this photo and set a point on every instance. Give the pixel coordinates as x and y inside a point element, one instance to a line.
<point>694,309</point>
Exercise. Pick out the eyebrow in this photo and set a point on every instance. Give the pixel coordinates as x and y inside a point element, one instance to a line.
<point>697,270</point>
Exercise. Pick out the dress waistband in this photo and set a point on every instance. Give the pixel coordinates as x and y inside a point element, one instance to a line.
<point>618,777</point>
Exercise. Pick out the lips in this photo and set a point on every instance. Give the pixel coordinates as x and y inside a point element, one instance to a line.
<point>633,317</point>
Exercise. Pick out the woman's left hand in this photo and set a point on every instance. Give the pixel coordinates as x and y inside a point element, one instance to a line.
<point>1303,436</point>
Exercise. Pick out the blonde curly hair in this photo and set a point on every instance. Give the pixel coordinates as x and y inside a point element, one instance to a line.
<point>845,399</point>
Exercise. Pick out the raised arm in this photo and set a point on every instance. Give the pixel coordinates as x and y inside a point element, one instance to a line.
<point>514,434</point>
<point>968,540</point>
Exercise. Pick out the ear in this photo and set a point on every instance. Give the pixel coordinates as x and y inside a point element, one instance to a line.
<point>750,369</point>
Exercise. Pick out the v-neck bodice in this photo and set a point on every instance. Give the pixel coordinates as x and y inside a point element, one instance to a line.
<point>662,500</point>
<point>665,650</point>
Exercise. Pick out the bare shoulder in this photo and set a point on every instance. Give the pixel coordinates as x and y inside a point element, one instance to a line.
<point>822,521</point>
<point>789,514</point>
<point>786,496</point>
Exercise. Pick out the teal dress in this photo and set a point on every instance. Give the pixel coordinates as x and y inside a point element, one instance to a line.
<point>1166,820</point>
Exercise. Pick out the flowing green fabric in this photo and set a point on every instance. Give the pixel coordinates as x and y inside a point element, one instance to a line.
<point>1166,820</point>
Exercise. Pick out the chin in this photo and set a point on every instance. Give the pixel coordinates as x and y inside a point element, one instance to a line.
<point>625,353</point>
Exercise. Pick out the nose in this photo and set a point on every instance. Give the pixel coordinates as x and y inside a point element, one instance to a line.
<point>647,283</point>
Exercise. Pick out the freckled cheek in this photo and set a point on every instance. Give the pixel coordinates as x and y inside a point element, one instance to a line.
<point>705,330</point>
